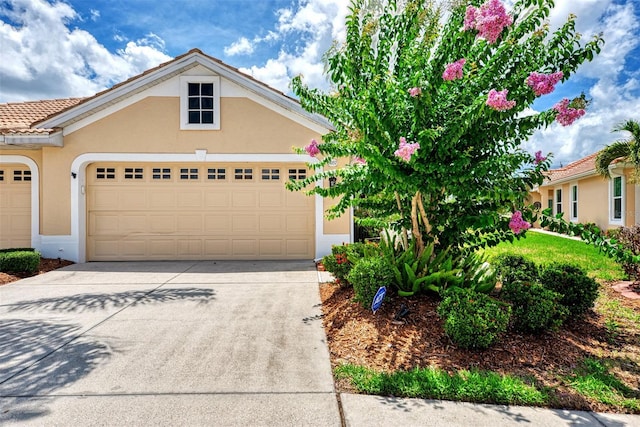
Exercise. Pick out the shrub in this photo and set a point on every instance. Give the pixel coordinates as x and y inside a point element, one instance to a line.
<point>367,276</point>
<point>579,292</point>
<point>471,319</point>
<point>534,308</point>
<point>20,261</point>
<point>337,263</point>
<point>629,237</point>
<point>516,268</point>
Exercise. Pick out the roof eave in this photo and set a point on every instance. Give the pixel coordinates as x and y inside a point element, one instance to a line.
<point>31,141</point>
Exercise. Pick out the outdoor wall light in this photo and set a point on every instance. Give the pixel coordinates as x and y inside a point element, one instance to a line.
<point>74,175</point>
<point>332,181</point>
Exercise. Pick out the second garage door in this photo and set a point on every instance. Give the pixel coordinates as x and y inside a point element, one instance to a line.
<point>15,206</point>
<point>197,211</point>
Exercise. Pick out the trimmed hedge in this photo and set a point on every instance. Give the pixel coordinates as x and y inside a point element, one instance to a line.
<point>19,260</point>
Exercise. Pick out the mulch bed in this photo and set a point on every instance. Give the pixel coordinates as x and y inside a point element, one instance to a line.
<point>46,264</point>
<point>377,341</point>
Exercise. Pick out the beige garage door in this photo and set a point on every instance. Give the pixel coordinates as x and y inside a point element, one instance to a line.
<point>197,211</point>
<point>15,206</point>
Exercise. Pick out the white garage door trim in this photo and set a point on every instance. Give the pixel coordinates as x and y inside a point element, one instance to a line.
<point>35,193</point>
<point>76,245</point>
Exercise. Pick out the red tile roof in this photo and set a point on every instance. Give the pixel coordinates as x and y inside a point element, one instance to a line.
<point>578,167</point>
<point>17,117</point>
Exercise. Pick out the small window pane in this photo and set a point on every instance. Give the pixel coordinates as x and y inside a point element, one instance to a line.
<point>617,208</point>
<point>1,175</point>
<point>207,117</point>
<point>207,103</point>
<point>194,89</point>
<point>194,117</point>
<point>194,103</point>
<point>617,186</point>
<point>206,89</point>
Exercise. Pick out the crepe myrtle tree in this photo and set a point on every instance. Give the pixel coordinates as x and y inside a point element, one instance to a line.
<point>431,105</point>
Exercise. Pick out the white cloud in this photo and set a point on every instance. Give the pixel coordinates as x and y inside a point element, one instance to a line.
<point>49,59</point>
<point>240,47</point>
<point>95,14</point>
<point>306,31</point>
<point>612,96</point>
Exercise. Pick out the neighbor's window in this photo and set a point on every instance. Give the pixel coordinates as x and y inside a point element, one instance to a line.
<point>200,103</point>
<point>558,201</point>
<point>574,202</point>
<point>616,202</point>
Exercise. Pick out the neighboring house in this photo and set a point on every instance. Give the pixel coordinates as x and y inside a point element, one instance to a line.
<point>187,160</point>
<point>583,196</point>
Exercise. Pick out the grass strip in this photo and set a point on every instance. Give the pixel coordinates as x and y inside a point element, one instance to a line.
<point>546,248</point>
<point>433,383</point>
<point>593,380</point>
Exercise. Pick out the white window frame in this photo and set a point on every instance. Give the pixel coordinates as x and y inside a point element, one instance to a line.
<point>612,219</point>
<point>184,103</point>
<point>573,202</point>
<point>556,202</point>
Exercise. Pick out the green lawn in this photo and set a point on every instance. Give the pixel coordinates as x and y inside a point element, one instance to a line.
<point>545,248</point>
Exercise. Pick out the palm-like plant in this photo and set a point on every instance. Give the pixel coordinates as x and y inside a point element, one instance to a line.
<point>628,148</point>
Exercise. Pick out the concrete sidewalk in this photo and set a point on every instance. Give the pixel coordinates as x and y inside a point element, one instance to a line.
<point>197,343</point>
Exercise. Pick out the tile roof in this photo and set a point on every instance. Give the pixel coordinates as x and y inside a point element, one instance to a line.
<point>17,117</point>
<point>585,165</point>
<point>578,167</point>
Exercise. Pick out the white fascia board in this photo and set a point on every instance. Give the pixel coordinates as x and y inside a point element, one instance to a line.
<point>32,141</point>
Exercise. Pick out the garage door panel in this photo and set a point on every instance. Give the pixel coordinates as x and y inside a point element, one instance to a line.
<point>164,198</point>
<point>159,223</point>
<point>272,223</point>
<point>20,200</point>
<point>298,247</point>
<point>104,224</point>
<point>216,247</point>
<point>243,199</point>
<point>134,248</point>
<point>217,224</point>
<point>190,199</point>
<point>132,224</point>
<point>211,216</point>
<point>244,247</point>
<point>271,199</point>
<point>244,223</point>
<point>189,223</point>
<point>217,199</point>
<point>189,247</point>
<point>271,247</point>
<point>296,223</point>
<point>162,247</point>
<point>132,199</point>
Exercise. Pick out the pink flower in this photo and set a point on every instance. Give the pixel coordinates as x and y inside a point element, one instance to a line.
<point>539,158</point>
<point>406,150</point>
<point>490,19</point>
<point>517,224</point>
<point>454,70</point>
<point>498,100</point>
<point>359,161</point>
<point>312,149</point>
<point>415,91</point>
<point>543,84</point>
<point>470,18</point>
<point>567,115</point>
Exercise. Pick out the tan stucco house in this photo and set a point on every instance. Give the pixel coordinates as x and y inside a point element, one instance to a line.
<point>583,196</point>
<point>187,160</point>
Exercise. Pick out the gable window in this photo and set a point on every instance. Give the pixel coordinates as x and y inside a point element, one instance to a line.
<point>617,199</point>
<point>558,199</point>
<point>200,102</point>
<point>574,202</point>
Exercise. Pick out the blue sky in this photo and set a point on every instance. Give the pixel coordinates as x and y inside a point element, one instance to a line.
<point>54,49</point>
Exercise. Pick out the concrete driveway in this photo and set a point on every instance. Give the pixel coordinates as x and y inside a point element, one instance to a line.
<point>166,343</point>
